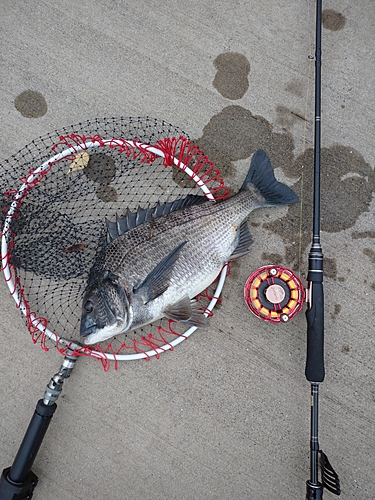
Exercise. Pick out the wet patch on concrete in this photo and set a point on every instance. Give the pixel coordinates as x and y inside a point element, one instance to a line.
<point>356,235</point>
<point>272,258</point>
<point>231,79</point>
<point>286,118</point>
<point>235,134</point>
<point>346,190</point>
<point>101,169</point>
<point>336,311</point>
<point>370,253</point>
<point>254,224</point>
<point>182,180</point>
<point>296,87</point>
<point>333,20</point>
<point>31,104</point>
<point>235,268</point>
<point>344,198</point>
<point>345,349</point>
<point>330,268</point>
<point>106,193</point>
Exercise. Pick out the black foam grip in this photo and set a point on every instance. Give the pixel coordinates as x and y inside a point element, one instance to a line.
<point>314,491</point>
<point>315,335</point>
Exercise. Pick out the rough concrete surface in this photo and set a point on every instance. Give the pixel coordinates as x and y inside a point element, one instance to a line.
<point>226,415</point>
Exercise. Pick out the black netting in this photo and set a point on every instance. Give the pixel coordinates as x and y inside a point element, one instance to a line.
<point>60,225</point>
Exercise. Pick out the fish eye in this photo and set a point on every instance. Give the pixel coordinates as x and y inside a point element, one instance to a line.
<point>89,306</point>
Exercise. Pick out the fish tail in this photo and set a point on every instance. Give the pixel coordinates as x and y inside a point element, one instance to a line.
<point>262,176</point>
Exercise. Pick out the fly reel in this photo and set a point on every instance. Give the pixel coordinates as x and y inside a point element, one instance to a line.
<point>274,293</point>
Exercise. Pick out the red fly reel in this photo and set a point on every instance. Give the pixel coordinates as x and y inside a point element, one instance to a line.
<point>274,293</point>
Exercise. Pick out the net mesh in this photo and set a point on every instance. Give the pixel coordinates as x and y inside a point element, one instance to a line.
<point>57,193</point>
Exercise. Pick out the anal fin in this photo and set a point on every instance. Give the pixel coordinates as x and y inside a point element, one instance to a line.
<point>187,311</point>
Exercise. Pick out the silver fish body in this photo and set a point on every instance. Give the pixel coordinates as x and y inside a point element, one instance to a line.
<point>155,268</point>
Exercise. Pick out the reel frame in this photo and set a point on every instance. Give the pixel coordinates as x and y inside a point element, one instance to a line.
<point>274,293</point>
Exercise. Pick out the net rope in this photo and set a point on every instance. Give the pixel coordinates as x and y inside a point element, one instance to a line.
<point>57,192</point>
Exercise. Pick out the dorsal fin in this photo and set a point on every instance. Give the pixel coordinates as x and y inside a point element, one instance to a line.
<point>133,219</point>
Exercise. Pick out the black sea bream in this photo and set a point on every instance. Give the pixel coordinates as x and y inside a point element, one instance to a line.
<point>157,260</point>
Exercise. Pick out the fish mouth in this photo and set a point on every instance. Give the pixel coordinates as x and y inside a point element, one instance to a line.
<point>88,330</point>
<point>99,334</point>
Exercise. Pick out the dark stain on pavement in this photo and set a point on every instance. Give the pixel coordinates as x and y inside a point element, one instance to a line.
<point>272,258</point>
<point>296,87</point>
<point>231,79</point>
<point>106,193</point>
<point>346,179</point>
<point>234,269</point>
<point>286,118</point>
<point>333,20</point>
<point>330,268</point>
<point>181,179</point>
<point>336,311</point>
<point>235,134</point>
<point>356,235</point>
<point>347,184</point>
<point>346,190</point>
<point>101,169</point>
<point>31,104</point>
<point>370,253</point>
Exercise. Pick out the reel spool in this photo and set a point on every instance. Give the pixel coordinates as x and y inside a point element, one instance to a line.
<point>274,294</point>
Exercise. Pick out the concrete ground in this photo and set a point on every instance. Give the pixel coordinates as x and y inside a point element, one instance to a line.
<point>226,415</point>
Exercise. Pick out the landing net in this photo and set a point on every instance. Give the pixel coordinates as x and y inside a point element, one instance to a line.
<point>59,190</point>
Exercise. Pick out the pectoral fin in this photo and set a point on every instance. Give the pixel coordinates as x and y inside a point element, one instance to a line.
<point>158,280</point>
<point>187,311</point>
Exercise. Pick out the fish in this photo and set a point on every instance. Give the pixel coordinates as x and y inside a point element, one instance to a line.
<point>157,260</point>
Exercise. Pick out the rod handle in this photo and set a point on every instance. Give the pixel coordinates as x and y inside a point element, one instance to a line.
<point>314,370</point>
<point>314,491</point>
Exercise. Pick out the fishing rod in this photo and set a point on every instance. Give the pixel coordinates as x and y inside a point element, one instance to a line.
<point>276,294</point>
<point>314,369</point>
